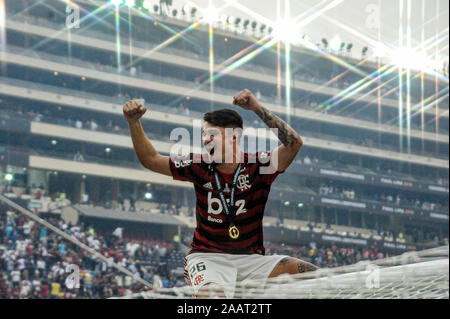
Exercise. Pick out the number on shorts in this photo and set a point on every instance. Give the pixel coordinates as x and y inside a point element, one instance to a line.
<point>197,268</point>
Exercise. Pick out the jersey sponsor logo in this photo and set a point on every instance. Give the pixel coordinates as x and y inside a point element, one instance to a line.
<point>215,220</point>
<point>215,205</point>
<point>179,164</point>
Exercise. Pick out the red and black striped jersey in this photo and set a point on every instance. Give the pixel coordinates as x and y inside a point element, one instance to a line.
<point>251,194</point>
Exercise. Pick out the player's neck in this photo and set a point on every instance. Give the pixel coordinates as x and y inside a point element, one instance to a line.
<point>230,168</point>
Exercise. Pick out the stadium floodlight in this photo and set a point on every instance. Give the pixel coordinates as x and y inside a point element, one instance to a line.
<point>246,23</point>
<point>54,142</point>
<point>223,19</point>
<point>193,12</point>
<point>148,195</point>
<point>117,3</point>
<point>107,150</point>
<point>262,28</point>
<point>185,9</point>
<point>286,31</point>
<point>380,51</point>
<point>413,59</point>
<point>237,21</point>
<point>287,203</point>
<point>300,205</point>
<point>211,14</point>
<point>147,5</point>
<point>8,177</point>
<point>130,3</point>
<point>230,20</point>
<point>335,43</point>
<point>364,51</point>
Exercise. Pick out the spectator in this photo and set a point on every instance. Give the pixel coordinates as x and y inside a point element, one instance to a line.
<point>78,124</point>
<point>307,160</point>
<point>78,157</point>
<point>93,125</point>
<point>85,198</point>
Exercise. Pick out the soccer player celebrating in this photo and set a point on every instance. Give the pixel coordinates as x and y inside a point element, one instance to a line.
<point>232,188</point>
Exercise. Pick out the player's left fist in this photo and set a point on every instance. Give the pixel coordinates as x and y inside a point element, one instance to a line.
<point>246,100</point>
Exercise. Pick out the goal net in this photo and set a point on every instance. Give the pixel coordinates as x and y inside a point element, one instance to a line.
<point>412,275</point>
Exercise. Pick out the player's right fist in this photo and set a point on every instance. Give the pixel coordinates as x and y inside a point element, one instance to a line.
<point>133,110</point>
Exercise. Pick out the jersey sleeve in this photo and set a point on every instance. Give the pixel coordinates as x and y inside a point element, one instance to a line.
<point>267,167</point>
<point>181,167</point>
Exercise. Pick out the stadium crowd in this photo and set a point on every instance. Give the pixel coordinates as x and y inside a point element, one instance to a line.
<point>33,260</point>
<point>62,116</point>
<point>389,198</point>
<point>327,256</point>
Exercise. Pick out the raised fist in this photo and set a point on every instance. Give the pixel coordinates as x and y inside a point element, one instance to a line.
<point>133,110</point>
<point>246,100</point>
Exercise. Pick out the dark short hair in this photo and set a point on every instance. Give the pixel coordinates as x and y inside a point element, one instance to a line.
<point>224,118</point>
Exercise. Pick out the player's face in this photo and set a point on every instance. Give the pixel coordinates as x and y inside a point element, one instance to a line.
<point>219,142</point>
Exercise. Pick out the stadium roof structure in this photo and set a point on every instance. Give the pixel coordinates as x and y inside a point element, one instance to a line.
<point>140,217</point>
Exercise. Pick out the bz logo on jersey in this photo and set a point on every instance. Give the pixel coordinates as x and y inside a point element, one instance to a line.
<point>215,205</point>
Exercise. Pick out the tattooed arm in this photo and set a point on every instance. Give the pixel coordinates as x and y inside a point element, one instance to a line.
<point>292,142</point>
<point>292,266</point>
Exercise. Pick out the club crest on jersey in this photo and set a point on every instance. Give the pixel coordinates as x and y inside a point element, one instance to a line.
<point>243,182</point>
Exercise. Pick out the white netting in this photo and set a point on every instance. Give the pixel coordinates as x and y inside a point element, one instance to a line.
<point>413,275</point>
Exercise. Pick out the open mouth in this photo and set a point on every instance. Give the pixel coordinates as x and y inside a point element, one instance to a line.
<point>210,147</point>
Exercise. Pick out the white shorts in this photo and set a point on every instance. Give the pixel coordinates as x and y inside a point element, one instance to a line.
<point>223,269</point>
